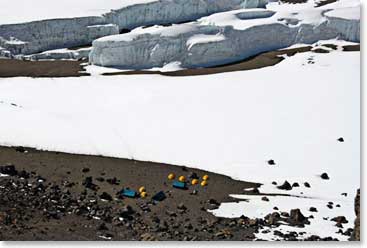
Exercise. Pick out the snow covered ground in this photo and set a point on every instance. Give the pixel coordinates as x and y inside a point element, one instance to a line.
<point>229,123</point>
<point>20,11</point>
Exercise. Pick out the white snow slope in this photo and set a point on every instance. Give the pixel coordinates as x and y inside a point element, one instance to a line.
<point>230,123</point>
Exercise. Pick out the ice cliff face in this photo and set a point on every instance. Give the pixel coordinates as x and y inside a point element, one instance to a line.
<point>33,37</point>
<point>222,38</point>
<point>174,11</point>
<point>38,36</point>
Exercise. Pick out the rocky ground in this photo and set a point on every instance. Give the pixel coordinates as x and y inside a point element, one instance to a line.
<point>58,196</point>
<point>70,68</point>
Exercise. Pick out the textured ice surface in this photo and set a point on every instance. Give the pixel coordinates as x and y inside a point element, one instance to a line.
<point>224,37</point>
<point>38,36</point>
<point>42,35</point>
<point>174,11</point>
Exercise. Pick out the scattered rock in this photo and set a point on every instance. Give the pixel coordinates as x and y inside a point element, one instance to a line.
<point>307,185</point>
<point>313,209</point>
<point>193,175</point>
<point>271,162</point>
<point>341,139</point>
<point>105,196</point>
<point>8,170</point>
<point>340,219</point>
<point>325,176</point>
<point>294,185</point>
<point>356,232</point>
<point>85,170</point>
<point>285,186</point>
<point>264,198</point>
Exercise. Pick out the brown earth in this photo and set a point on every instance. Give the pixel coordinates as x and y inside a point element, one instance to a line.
<point>181,216</point>
<point>56,68</point>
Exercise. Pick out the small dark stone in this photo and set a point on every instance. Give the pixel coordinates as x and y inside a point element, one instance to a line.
<point>113,181</point>
<point>271,162</point>
<point>274,183</point>
<point>340,219</point>
<point>20,149</point>
<point>100,179</point>
<point>325,176</point>
<point>313,209</point>
<point>285,186</point>
<point>264,198</point>
<point>341,139</point>
<point>85,170</point>
<point>8,170</point>
<point>307,185</point>
<point>181,206</point>
<point>105,196</point>
<point>213,202</point>
<point>294,185</point>
<point>193,175</point>
<point>102,227</point>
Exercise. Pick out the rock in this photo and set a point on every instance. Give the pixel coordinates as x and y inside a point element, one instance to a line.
<point>193,175</point>
<point>307,185</point>
<point>88,183</point>
<point>213,202</point>
<point>100,179</point>
<point>113,181</point>
<point>20,149</point>
<point>356,232</point>
<point>8,170</point>
<point>126,212</point>
<point>274,183</point>
<point>85,170</point>
<point>264,198</point>
<point>105,196</point>
<point>271,162</point>
<point>340,219</point>
<point>102,227</point>
<point>313,209</point>
<point>325,176</point>
<point>341,139</point>
<point>273,218</point>
<point>285,186</point>
<point>297,218</point>
<point>294,185</point>
<point>284,214</point>
<point>339,225</point>
<point>23,174</point>
<point>181,206</point>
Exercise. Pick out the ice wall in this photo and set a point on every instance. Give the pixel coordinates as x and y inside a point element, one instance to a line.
<point>38,36</point>
<point>174,11</point>
<point>34,37</point>
<point>243,33</point>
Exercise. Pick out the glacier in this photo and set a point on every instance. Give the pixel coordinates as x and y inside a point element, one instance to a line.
<point>42,35</point>
<point>243,33</point>
<point>38,36</point>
